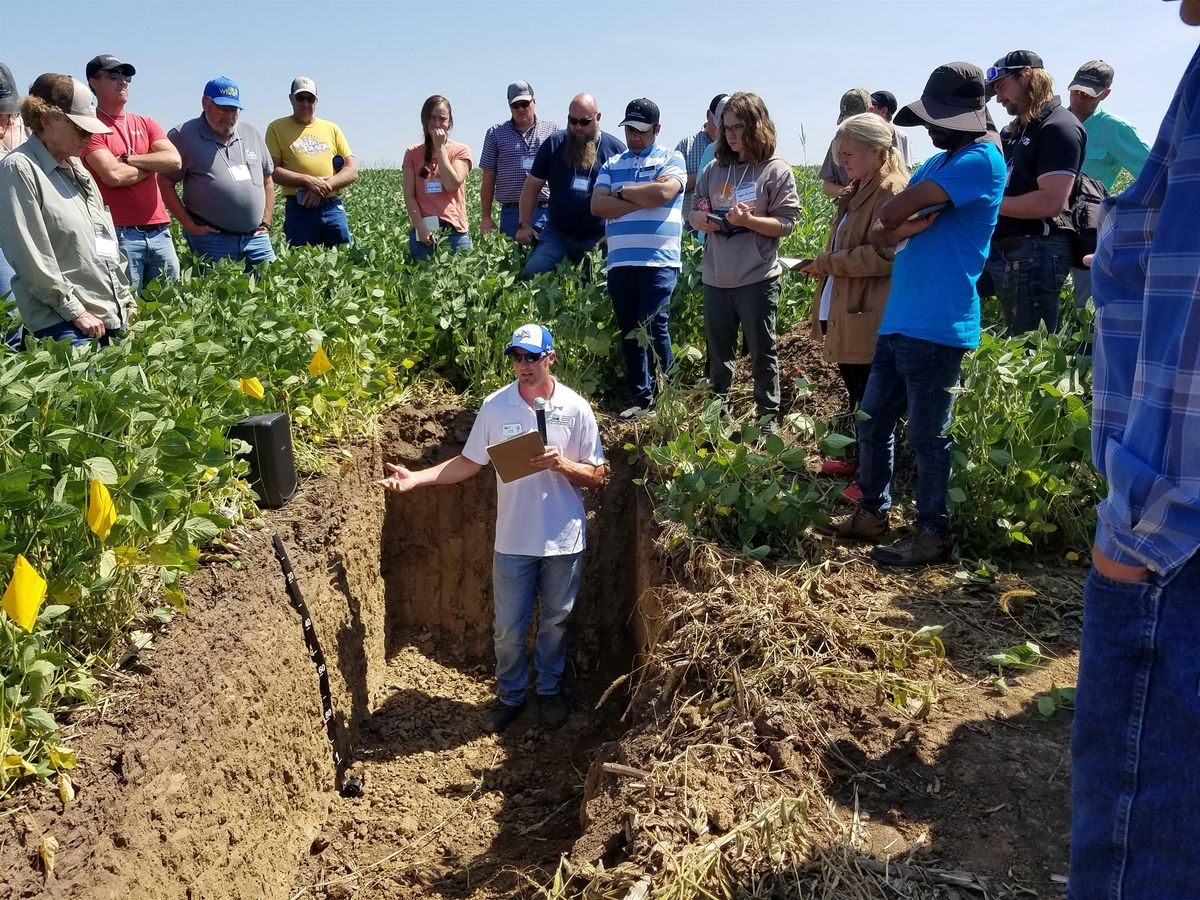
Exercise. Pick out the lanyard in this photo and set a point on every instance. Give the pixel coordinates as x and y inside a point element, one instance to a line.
<point>121,130</point>
<point>225,155</point>
<point>739,178</point>
<point>532,132</point>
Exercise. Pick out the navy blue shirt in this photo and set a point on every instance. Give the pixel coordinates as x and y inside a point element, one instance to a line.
<point>571,189</point>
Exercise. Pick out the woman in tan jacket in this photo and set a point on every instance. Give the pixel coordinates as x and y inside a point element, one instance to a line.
<point>855,276</point>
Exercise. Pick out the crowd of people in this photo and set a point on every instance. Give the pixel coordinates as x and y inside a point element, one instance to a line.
<point>87,189</point>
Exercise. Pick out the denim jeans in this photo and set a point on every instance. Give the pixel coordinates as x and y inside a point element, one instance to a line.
<point>641,295</point>
<point>1027,280</point>
<point>516,580</point>
<point>1135,769</point>
<point>6,274</point>
<point>459,240</point>
<point>914,377</point>
<point>753,307</point>
<point>12,333</point>
<point>1082,281</point>
<point>69,331</point>
<point>149,252</point>
<point>510,219</point>
<point>317,226</point>
<point>552,246</point>
<point>254,249</point>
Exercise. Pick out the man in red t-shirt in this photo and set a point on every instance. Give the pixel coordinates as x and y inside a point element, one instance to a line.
<point>126,163</point>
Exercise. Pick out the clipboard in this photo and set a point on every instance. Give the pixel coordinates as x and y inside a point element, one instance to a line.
<point>511,457</point>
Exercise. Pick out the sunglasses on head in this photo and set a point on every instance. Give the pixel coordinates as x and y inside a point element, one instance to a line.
<point>583,123</point>
<point>520,357</point>
<point>519,104</point>
<point>995,72</point>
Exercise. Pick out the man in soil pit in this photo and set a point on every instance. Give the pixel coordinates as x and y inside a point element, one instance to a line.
<point>540,521</point>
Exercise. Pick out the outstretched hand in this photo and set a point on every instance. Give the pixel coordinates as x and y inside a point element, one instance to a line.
<point>399,481</point>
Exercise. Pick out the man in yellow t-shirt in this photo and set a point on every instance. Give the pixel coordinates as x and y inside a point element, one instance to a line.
<point>313,162</point>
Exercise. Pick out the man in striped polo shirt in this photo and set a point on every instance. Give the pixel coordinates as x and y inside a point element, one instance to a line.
<point>508,151</point>
<point>639,194</point>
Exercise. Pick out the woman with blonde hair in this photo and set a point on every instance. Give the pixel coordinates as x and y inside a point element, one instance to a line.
<point>855,275</point>
<point>435,182</point>
<point>745,201</point>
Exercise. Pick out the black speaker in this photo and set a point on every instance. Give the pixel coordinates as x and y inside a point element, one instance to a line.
<point>272,466</point>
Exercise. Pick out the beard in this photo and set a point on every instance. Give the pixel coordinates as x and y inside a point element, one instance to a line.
<point>581,152</point>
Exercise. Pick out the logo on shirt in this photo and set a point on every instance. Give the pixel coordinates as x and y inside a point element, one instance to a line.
<point>310,146</point>
<point>251,154</point>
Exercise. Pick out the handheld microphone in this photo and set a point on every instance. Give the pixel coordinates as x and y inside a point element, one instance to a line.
<point>539,407</point>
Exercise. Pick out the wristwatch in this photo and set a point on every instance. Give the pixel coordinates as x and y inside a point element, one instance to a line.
<point>619,193</point>
<point>125,158</point>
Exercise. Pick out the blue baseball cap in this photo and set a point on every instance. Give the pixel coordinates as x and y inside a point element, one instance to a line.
<point>223,91</point>
<point>532,339</point>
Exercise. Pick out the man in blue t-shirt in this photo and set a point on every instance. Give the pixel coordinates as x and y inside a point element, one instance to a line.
<point>569,161</point>
<point>932,315</point>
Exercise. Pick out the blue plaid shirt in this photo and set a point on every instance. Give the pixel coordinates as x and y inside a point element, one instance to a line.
<point>1146,414</point>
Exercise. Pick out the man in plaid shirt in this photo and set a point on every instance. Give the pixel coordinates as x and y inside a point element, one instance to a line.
<point>1135,785</point>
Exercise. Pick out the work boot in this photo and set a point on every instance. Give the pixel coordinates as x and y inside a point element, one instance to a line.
<point>862,524</point>
<point>552,710</point>
<point>917,548</point>
<point>500,715</point>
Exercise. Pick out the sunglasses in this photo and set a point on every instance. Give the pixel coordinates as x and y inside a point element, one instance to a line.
<point>519,357</point>
<point>117,76</point>
<point>583,123</point>
<point>305,98</point>
<point>995,72</point>
<point>520,104</point>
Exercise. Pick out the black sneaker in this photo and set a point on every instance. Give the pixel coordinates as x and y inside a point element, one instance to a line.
<point>553,710</point>
<point>500,715</point>
<point>917,548</point>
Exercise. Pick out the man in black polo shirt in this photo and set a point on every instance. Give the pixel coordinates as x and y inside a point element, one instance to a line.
<point>1030,256</point>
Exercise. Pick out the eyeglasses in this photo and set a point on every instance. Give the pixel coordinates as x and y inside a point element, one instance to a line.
<point>582,123</point>
<point>519,104</point>
<point>519,357</point>
<point>734,129</point>
<point>117,76</point>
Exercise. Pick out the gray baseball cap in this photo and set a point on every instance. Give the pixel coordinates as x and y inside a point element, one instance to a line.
<point>1093,78</point>
<point>10,100</point>
<point>303,84</point>
<point>519,90</point>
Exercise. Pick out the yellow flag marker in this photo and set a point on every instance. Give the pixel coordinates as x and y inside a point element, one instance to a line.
<point>252,387</point>
<point>24,595</point>
<point>319,364</point>
<point>102,514</point>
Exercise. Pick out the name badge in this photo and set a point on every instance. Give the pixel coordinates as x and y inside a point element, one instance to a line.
<point>106,248</point>
<point>560,419</point>
<point>512,430</point>
<point>745,193</point>
<point>527,163</point>
<point>433,186</point>
<point>902,245</point>
<point>239,172</point>
<point>580,183</point>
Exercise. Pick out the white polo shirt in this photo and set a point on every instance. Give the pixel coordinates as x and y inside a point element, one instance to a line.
<point>542,514</point>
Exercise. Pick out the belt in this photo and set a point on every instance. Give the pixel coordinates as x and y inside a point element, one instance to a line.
<point>144,229</point>
<point>219,230</point>
<point>515,203</point>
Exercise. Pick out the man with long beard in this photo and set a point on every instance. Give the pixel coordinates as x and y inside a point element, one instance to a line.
<point>569,161</point>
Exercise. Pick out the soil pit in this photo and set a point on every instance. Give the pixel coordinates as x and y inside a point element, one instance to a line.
<point>206,772</point>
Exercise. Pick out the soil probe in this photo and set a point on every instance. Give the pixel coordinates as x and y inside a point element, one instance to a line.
<point>347,785</point>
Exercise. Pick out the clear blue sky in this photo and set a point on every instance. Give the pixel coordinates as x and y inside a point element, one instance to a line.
<point>375,62</point>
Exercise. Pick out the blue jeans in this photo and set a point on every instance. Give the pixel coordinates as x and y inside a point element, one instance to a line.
<point>913,376</point>
<point>6,274</point>
<point>552,246</point>
<point>459,240</point>
<point>510,219</point>
<point>319,226</point>
<point>515,582</point>
<point>641,295</point>
<point>14,337</point>
<point>1135,770</point>
<point>149,252</point>
<point>68,331</point>
<point>1027,280</point>
<point>254,249</point>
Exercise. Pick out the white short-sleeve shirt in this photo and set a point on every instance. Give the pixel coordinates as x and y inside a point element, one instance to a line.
<point>542,514</point>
